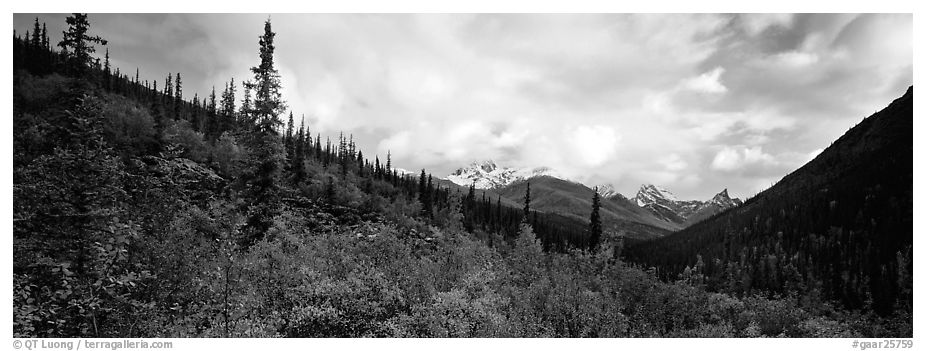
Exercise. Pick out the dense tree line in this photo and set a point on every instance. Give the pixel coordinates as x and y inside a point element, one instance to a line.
<point>141,212</point>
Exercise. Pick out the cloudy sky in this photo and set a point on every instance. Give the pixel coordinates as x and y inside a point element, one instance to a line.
<point>694,103</point>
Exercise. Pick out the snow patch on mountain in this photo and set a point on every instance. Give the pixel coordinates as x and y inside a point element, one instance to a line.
<point>652,194</point>
<point>488,175</point>
<point>607,191</point>
<point>402,172</point>
<point>665,205</point>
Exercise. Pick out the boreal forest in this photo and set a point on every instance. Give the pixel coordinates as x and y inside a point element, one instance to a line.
<point>139,211</point>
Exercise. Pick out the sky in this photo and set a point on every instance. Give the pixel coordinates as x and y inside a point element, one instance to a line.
<point>693,103</point>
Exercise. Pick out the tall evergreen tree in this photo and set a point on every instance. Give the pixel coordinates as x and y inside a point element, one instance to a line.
<point>36,40</point>
<point>227,114</point>
<point>429,198</point>
<point>594,224</point>
<point>77,45</point>
<point>268,100</point>
<point>244,114</point>
<point>210,123</point>
<point>267,156</point>
<point>178,98</point>
<point>527,204</point>
<point>107,75</point>
<point>169,87</point>
<point>297,163</point>
<point>288,137</point>
<point>422,192</point>
<point>44,37</point>
<point>307,135</point>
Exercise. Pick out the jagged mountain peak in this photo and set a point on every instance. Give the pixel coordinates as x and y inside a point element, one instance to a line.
<point>485,165</point>
<point>666,205</point>
<point>721,196</point>
<point>607,191</point>
<point>651,194</point>
<point>724,200</point>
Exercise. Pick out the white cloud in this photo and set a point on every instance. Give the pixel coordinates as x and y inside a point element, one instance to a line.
<point>594,145</point>
<point>727,160</point>
<point>398,144</point>
<point>708,82</point>
<point>796,59</point>
<point>673,162</point>
<point>731,159</point>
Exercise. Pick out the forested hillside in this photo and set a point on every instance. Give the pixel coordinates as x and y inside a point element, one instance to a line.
<point>840,227</point>
<point>141,212</point>
<point>573,200</point>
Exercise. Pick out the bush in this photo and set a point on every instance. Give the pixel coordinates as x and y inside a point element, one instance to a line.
<point>190,143</point>
<point>128,127</point>
<point>228,156</point>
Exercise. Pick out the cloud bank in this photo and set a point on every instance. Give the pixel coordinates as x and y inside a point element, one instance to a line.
<point>695,103</point>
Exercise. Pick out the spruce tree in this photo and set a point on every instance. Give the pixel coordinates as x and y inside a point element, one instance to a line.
<point>77,45</point>
<point>169,87</point>
<point>228,108</point>
<point>244,114</point>
<point>429,198</point>
<point>44,37</point>
<point>178,97</point>
<point>298,162</point>
<point>267,155</point>
<point>106,72</point>
<point>389,172</point>
<point>527,204</point>
<point>268,100</point>
<point>288,138</point>
<point>318,146</point>
<point>307,136</point>
<point>36,35</point>
<point>360,163</point>
<point>209,124</point>
<point>422,190</point>
<point>594,225</point>
<point>388,160</point>
<point>106,62</point>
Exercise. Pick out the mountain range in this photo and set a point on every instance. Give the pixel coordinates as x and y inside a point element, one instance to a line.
<point>666,206</point>
<point>653,212</point>
<point>488,175</point>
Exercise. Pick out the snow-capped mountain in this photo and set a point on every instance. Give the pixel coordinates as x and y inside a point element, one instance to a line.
<point>650,194</point>
<point>607,191</point>
<point>665,205</point>
<point>488,175</point>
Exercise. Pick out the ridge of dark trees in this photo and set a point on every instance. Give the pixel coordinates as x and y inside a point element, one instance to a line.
<point>841,226</point>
